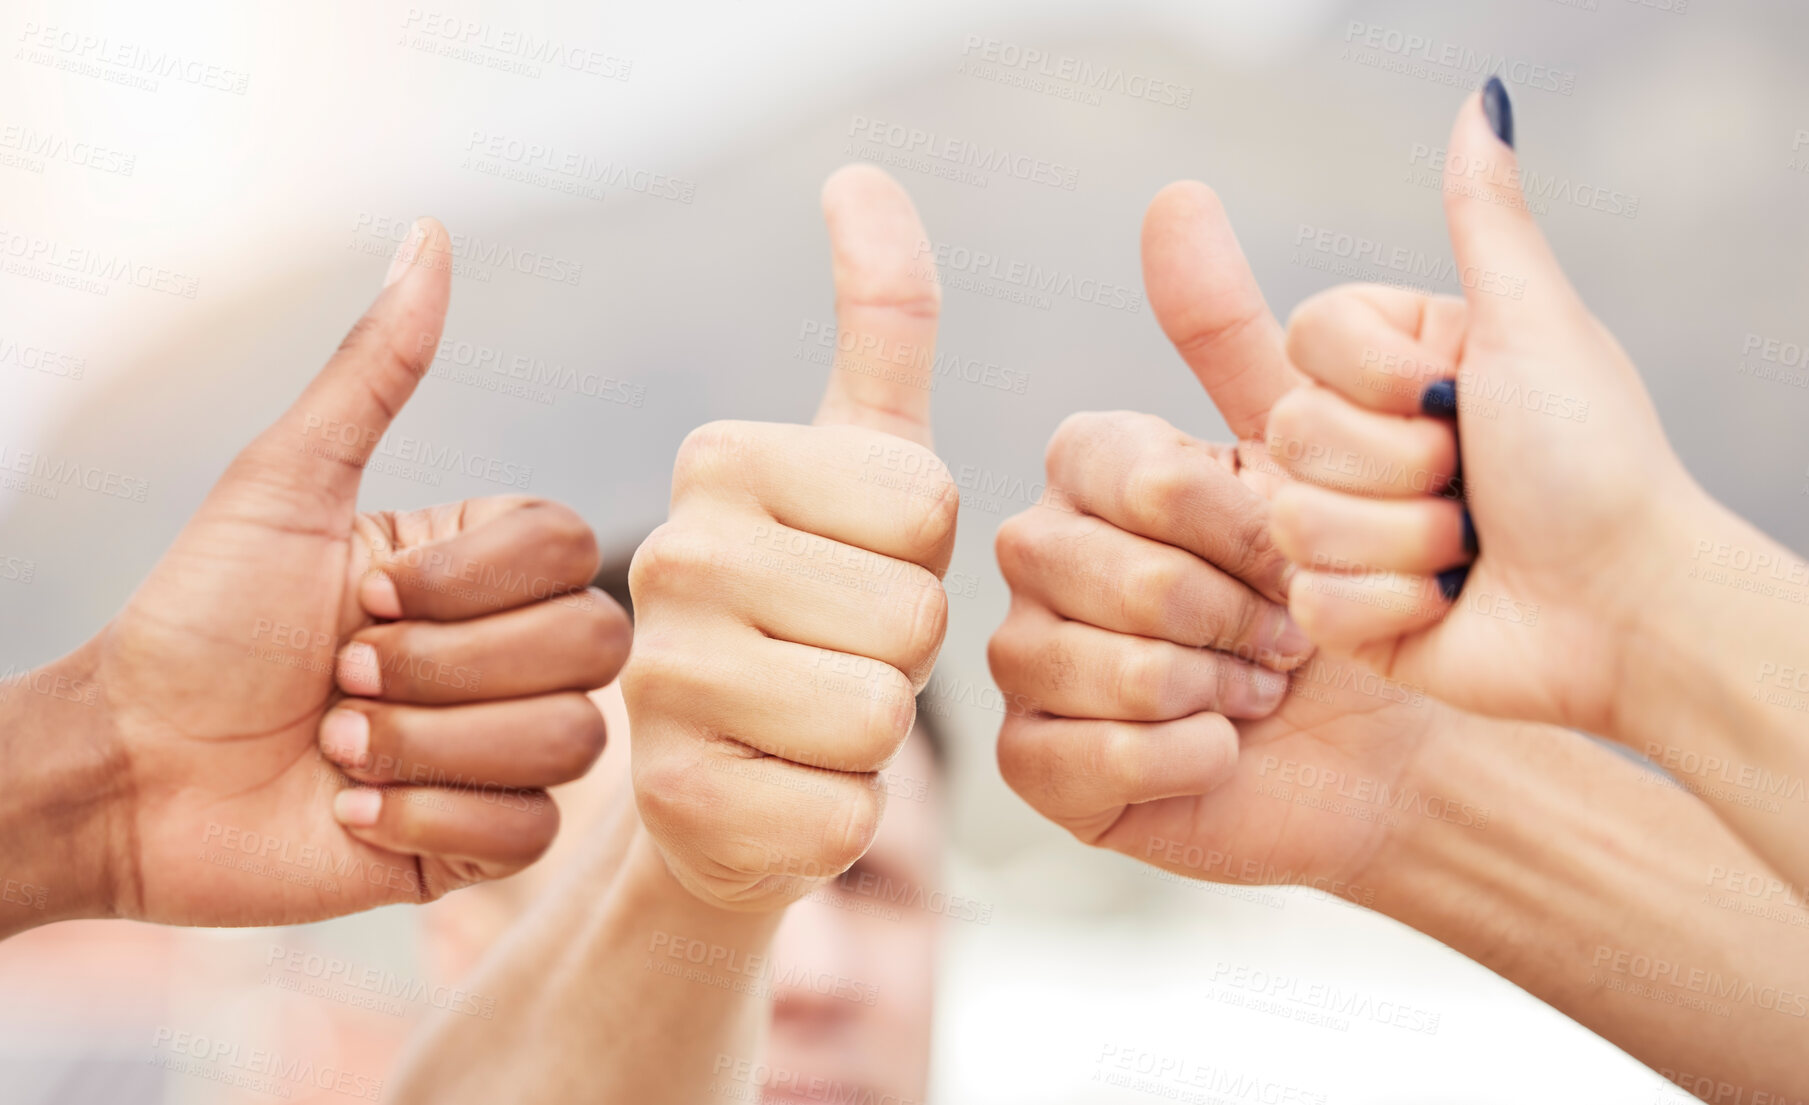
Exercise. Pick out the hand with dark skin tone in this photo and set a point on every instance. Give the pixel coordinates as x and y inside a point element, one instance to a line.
<point>307,711</point>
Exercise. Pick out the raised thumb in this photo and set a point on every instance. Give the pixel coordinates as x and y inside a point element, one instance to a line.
<point>1504,263</point>
<point>314,456</point>
<point>887,301</point>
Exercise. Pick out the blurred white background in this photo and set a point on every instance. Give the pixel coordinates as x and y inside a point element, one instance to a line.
<point>275,203</point>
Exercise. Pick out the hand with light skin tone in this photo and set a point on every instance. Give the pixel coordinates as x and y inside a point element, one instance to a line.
<point>1607,593</point>
<point>1526,847</point>
<point>785,614</point>
<point>792,605</point>
<point>307,711</point>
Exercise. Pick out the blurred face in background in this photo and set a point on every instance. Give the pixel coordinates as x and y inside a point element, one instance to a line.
<point>854,963</point>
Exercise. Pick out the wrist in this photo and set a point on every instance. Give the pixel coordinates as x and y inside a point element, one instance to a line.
<point>1479,883</point>
<point>1721,629</point>
<point>650,888</point>
<point>714,964</point>
<point>63,807</point>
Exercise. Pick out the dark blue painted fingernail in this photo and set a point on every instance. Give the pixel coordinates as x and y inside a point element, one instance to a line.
<point>1440,399</point>
<point>1500,110</point>
<point>1451,582</point>
<point>1470,546</point>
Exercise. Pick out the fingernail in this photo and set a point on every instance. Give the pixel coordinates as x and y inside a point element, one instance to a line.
<point>406,252</point>
<point>1292,641</point>
<point>345,737</point>
<point>1440,399</point>
<point>357,670</point>
<point>1470,546</point>
<point>1451,582</point>
<point>1499,109</point>
<point>357,806</point>
<point>378,593</point>
<point>1262,692</point>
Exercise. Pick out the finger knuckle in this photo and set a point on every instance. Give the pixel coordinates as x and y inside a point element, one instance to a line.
<point>1153,493</point>
<point>1116,756</point>
<point>891,711</point>
<point>575,743</point>
<point>711,455</point>
<point>676,801</point>
<point>1144,678</point>
<point>1147,590</point>
<point>569,541</point>
<point>670,559</point>
<point>1252,549</point>
<point>928,622</point>
<point>1015,547</point>
<point>1005,655</point>
<point>607,637</point>
<point>852,827</point>
<point>539,832</point>
<point>658,672</point>
<point>1019,755</point>
<point>935,509</point>
<point>1072,437</point>
<point>1312,320</point>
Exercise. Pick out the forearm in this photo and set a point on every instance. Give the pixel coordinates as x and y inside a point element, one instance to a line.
<point>63,789</point>
<point>1716,681</point>
<point>1616,898</point>
<point>621,987</point>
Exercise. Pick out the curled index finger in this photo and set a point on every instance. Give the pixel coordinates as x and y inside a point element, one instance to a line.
<point>1143,475</point>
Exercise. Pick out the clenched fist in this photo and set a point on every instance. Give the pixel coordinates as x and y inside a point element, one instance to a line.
<point>305,711</point>
<point>792,606</point>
